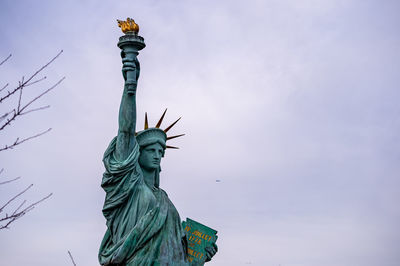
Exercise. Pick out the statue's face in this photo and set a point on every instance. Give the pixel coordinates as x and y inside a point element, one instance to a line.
<point>150,156</point>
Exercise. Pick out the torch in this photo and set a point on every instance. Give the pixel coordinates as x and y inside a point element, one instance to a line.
<point>130,44</point>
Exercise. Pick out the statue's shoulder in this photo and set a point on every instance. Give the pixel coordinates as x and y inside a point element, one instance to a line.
<point>161,191</point>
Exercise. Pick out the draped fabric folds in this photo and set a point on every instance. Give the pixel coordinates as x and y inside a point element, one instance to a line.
<point>143,226</point>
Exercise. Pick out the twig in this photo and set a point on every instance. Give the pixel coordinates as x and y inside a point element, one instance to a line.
<point>72,259</point>
<point>19,207</point>
<point>35,109</point>
<point>9,181</point>
<point>17,141</point>
<point>36,81</point>
<point>16,196</point>
<point>10,92</point>
<point>8,57</point>
<point>30,207</point>
<point>43,67</point>
<point>20,94</point>
<point>5,86</point>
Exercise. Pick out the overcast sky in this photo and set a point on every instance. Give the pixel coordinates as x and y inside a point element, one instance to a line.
<point>292,105</point>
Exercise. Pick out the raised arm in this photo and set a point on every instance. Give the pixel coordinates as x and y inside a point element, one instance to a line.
<point>127,110</point>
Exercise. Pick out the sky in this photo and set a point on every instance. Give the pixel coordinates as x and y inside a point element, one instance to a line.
<point>293,106</point>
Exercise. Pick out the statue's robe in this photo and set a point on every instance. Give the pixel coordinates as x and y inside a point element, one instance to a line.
<point>143,226</point>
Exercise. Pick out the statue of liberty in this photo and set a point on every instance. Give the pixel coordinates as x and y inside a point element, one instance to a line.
<point>143,226</point>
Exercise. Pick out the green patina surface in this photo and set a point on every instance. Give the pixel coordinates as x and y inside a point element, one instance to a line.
<point>143,226</point>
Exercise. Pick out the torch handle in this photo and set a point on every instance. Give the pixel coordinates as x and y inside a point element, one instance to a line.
<point>129,69</point>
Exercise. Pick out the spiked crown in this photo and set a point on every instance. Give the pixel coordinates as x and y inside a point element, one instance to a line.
<point>156,134</point>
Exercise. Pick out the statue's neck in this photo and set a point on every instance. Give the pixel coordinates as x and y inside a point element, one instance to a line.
<point>149,177</point>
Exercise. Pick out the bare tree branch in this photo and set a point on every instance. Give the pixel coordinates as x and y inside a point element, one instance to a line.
<point>6,114</point>
<point>24,83</point>
<point>17,141</point>
<point>8,57</point>
<point>35,81</point>
<point>9,93</point>
<point>43,67</point>
<point>8,219</point>
<point>72,259</point>
<point>40,95</point>
<point>13,198</point>
<point>20,109</point>
<point>19,207</point>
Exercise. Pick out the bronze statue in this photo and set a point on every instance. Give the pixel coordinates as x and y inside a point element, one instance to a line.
<point>143,226</point>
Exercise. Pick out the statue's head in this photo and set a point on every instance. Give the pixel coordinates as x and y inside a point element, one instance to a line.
<point>152,146</point>
<point>152,142</point>
<point>150,156</point>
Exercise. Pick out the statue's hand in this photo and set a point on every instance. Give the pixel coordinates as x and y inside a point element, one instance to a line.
<point>130,71</point>
<point>128,65</point>
<point>210,251</point>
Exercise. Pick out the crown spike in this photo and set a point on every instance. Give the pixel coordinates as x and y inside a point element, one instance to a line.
<point>146,123</point>
<point>171,147</point>
<point>161,119</point>
<point>177,136</point>
<point>173,124</point>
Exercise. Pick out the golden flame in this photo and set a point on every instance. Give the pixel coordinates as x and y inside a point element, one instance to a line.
<point>128,26</point>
